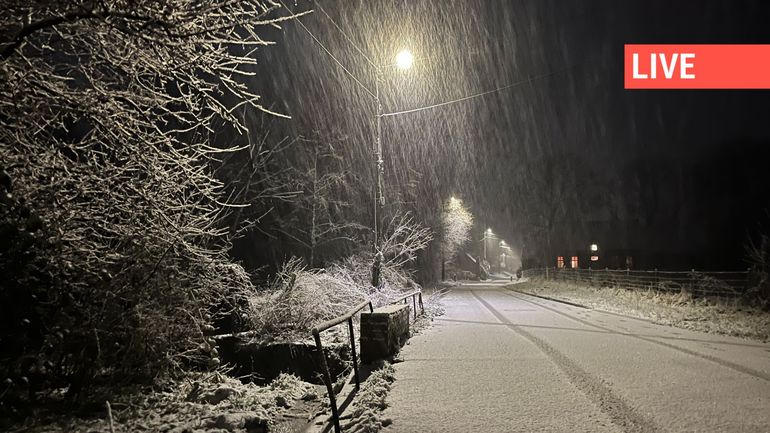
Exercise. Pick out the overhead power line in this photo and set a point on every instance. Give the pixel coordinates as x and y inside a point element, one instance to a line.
<point>465,98</point>
<point>349,39</point>
<point>330,53</point>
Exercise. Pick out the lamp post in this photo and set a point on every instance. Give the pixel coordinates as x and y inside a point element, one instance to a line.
<point>505,256</point>
<point>487,235</point>
<point>404,60</point>
<point>500,255</point>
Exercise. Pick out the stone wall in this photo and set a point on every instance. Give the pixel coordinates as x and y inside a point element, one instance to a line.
<point>384,331</point>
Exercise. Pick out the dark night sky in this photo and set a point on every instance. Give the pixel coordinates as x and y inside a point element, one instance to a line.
<point>674,171</point>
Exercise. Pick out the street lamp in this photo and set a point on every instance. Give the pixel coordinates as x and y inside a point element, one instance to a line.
<point>404,60</point>
<point>505,247</point>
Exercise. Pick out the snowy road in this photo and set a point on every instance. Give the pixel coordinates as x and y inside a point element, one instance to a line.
<point>502,361</point>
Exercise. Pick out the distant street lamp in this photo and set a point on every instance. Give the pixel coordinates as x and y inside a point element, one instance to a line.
<point>505,247</point>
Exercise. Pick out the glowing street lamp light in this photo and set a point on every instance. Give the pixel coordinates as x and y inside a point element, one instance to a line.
<point>404,59</point>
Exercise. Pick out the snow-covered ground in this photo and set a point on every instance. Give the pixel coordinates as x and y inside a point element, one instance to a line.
<point>202,403</point>
<point>725,316</point>
<point>501,361</point>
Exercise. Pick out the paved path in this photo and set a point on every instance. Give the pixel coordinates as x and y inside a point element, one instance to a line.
<point>501,361</point>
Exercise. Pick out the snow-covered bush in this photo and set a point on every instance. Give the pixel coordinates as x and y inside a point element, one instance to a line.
<point>759,258</point>
<point>109,111</point>
<point>299,298</point>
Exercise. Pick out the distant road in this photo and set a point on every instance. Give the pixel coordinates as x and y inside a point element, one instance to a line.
<point>502,361</point>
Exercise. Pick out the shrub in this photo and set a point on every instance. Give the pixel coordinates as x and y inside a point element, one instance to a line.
<point>108,113</point>
<point>299,298</point>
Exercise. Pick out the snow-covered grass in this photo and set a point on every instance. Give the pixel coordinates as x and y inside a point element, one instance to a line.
<point>433,309</point>
<point>210,402</point>
<point>715,315</point>
<point>299,298</point>
<point>363,415</point>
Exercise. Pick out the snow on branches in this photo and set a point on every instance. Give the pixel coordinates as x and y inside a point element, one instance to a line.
<point>404,238</point>
<point>108,117</point>
<point>456,223</point>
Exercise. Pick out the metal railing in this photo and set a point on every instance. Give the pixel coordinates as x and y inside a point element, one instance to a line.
<point>699,283</point>
<point>417,294</point>
<point>348,317</point>
<point>322,356</point>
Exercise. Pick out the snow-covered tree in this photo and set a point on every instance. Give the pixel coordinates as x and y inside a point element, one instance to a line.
<point>109,113</point>
<point>319,213</point>
<point>456,223</point>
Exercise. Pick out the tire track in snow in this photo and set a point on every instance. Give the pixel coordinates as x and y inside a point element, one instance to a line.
<point>621,414</point>
<point>737,367</point>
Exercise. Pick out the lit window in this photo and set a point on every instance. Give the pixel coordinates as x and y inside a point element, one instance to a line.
<point>594,258</point>
<point>560,262</point>
<point>574,262</point>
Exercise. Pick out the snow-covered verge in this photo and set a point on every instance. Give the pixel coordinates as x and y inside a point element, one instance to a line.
<point>216,402</point>
<point>363,415</point>
<point>201,403</point>
<point>718,316</point>
<point>433,308</point>
<point>299,298</point>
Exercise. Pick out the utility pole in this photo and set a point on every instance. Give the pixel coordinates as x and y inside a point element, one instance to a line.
<point>379,199</point>
<point>442,245</point>
<point>484,240</point>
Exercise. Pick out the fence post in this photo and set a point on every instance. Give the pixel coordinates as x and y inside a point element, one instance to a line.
<point>747,281</point>
<point>546,273</point>
<point>353,350</point>
<point>327,381</point>
<point>692,281</point>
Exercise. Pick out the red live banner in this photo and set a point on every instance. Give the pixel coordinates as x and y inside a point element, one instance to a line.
<point>697,66</point>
